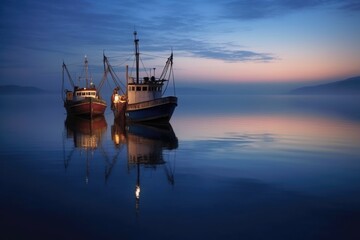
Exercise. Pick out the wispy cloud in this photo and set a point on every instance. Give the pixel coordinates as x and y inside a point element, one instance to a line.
<point>235,56</point>
<point>63,26</point>
<point>228,52</point>
<point>258,9</point>
<point>67,26</point>
<point>351,5</point>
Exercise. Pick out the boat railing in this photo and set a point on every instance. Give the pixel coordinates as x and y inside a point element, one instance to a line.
<point>152,103</point>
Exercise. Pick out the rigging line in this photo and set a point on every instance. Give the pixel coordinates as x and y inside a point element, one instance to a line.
<point>144,67</point>
<point>132,68</point>
<point>114,77</point>
<point>120,56</point>
<point>166,68</point>
<point>67,157</point>
<point>126,60</point>
<point>62,86</point>
<point>173,78</point>
<point>123,57</point>
<point>108,83</point>
<point>169,72</point>
<point>167,83</point>
<point>157,56</point>
<point>117,78</point>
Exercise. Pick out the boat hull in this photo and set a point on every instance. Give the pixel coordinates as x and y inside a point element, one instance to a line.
<point>163,133</point>
<point>88,108</point>
<point>157,110</point>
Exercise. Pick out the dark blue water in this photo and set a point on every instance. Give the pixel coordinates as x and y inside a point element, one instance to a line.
<point>228,167</point>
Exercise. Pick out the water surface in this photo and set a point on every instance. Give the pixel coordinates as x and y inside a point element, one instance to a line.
<point>228,167</point>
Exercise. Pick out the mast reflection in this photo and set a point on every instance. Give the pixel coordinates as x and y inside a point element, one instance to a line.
<point>145,148</point>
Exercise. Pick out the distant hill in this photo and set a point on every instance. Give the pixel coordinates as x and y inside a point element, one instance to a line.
<point>15,89</point>
<point>347,86</point>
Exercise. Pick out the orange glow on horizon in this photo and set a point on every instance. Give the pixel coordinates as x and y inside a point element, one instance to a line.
<point>290,68</point>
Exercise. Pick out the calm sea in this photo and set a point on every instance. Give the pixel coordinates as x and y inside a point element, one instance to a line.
<point>228,167</point>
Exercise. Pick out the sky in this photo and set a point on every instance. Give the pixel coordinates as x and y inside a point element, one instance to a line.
<point>228,41</point>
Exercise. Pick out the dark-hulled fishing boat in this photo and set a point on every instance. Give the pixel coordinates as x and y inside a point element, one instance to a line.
<point>83,101</point>
<point>144,100</point>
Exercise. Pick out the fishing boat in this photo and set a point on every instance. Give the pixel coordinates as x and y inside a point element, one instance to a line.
<point>144,100</point>
<point>83,101</point>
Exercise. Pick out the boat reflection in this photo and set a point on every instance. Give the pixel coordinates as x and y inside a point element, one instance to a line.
<point>143,147</point>
<point>86,133</point>
<point>87,136</point>
<point>146,145</point>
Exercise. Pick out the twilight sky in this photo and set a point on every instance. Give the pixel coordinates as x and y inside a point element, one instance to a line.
<point>228,41</point>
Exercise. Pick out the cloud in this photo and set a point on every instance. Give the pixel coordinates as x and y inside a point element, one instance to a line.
<point>228,52</point>
<point>70,27</point>
<point>259,9</point>
<point>59,24</point>
<point>351,6</point>
<point>234,56</point>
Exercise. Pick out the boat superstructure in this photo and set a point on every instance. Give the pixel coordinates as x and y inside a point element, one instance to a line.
<point>83,101</point>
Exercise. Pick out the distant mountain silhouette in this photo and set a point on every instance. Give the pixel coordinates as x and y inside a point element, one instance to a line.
<point>347,86</point>
<point>15,89</point>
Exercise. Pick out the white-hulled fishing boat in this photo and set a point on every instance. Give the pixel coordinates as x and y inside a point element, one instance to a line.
<point>144,100</point>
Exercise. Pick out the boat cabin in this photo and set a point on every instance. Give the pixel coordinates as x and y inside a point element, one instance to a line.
<point>81,93</point>
<point>146,90</point>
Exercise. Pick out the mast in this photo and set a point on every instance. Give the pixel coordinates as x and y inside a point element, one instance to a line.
<point>86,72</point>
<point>137,55</point>
<point>127,80</point>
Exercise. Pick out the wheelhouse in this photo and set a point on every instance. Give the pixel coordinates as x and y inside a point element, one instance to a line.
<point>145,90</point>
<point>82,93</point>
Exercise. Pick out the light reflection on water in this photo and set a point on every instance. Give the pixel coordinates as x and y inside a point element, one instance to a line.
<point>304,132</point>
<point>232,167</point>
